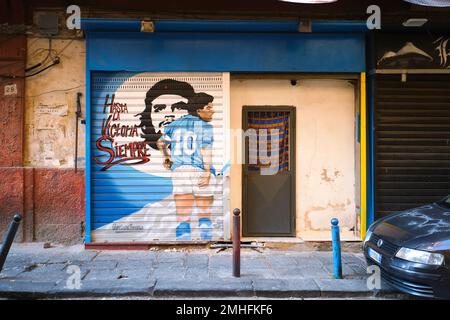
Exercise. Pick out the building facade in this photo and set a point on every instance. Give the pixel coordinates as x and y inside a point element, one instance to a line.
<point>245,94</point>
<point>147,131</point>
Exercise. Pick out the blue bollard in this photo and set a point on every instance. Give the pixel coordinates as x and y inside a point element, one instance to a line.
<point>336,240</point>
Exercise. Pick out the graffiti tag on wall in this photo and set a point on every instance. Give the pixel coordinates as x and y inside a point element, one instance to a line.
<point>412,51</point>
<point>444,51</point>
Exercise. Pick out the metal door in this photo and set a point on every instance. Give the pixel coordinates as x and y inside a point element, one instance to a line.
<point>269,171</point>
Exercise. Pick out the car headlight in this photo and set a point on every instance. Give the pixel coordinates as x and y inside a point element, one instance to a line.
<point>435,259</point>
<point>367,237</point>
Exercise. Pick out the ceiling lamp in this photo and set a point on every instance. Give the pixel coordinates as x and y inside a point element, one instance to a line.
<point>310,1</point>
<point>431,3</point>
<point>415,22</point>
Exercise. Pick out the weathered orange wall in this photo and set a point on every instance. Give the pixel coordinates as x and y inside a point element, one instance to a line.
<point>50,199</point>
<point>12,61</point>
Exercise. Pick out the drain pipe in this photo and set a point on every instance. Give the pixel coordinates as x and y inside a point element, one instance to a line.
<point>77,117</point>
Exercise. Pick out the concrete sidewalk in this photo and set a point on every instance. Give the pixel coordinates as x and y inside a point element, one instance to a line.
<point>34,272</point>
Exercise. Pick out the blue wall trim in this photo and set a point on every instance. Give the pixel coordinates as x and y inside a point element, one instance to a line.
<point>88,144</point>
<point>107,25</point>
<point>339,26</point>
<point>371,58</point>
<point>371,151</point>
<point>291,26</point>
<point>226,52</point>
<point>226,26</point>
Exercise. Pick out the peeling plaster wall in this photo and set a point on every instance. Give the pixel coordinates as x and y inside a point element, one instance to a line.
<point>50,105</point>
<point>44,188</point>
<point>325,150</point>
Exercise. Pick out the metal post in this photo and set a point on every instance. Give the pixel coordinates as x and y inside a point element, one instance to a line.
<point>236,243</point>
<point>336,240</point>
<point>9,238</point>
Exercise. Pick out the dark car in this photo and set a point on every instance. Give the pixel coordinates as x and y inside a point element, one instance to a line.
<point>412,249</point>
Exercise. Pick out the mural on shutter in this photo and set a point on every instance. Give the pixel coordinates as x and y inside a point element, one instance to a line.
<point>157,151</point>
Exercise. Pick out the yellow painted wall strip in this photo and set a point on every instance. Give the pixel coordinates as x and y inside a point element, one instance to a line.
<point>363,166</point>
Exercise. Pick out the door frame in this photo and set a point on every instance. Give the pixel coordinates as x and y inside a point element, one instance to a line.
<point>292,166</point>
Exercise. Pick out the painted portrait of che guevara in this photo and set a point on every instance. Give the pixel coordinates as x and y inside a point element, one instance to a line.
<point>186,144</point>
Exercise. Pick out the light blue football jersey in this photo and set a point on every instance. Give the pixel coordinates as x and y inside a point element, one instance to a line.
<point>186,137</point>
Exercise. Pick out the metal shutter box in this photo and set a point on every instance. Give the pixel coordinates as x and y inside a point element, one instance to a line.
<point>133,199</point>
<point>411,141</point>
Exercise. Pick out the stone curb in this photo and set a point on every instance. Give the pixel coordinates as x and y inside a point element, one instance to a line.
<point>261,288</point>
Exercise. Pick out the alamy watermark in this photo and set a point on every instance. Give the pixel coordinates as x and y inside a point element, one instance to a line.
<point>374,20</point>
<point>73,282</point>
<point>73,21</point>
<point>374,280</point>
<point>264,150</point>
